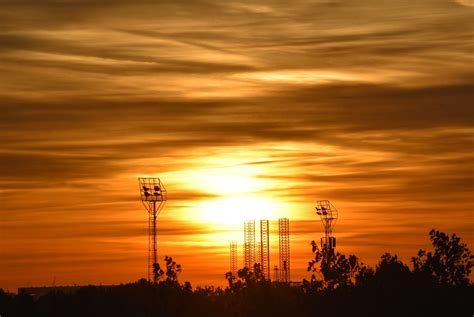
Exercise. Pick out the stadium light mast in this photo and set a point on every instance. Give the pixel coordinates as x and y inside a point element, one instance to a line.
<point>153,196</point>
<point>328,214</point>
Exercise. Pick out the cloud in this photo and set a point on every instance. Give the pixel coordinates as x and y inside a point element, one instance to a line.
<point>467,3</point>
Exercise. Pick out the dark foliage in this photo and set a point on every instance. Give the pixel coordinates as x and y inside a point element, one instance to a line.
<point>171,274</point>
<point>340,285</point>
<point>450,264</point>
<point>336,270</point>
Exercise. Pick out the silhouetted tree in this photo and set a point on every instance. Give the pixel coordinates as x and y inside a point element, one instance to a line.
<point>172,270</point>
<point>233,283</point>
<point>248,277</point>
<point>171,273</point>
<point>451,262</point>
<point>335,268</point>
<point>391,274</point>
<point>390,265</point>
<point>365,276</point>
<point>157,272</point>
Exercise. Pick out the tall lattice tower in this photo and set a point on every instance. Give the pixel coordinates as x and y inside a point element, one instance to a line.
<point>233,258</point>
<point>328,214</point>
<point>258,253</point>
<point>249,244</point>
<point>284,239</point>
<point>153,196</point>
<point>265,247</point>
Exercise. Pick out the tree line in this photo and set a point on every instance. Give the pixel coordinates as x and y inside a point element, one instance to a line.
<point>436,284</point>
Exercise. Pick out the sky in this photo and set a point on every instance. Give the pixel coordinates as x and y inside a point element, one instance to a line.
<point>245,110</point>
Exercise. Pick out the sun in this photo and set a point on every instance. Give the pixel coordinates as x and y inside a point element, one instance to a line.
<point>232,189</point>
<point>239,196</point>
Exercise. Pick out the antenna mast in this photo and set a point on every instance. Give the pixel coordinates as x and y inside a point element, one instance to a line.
<point>153,196</point>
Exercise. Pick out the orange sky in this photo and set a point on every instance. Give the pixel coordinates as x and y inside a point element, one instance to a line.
<point>244,110</point>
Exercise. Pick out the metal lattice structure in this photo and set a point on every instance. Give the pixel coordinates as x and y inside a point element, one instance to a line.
<point>258,253</point>
<point>284,239</point>
<point>265,247</point>
<point>233,258</point>
<point>249,244</point>
<point>328,214</point>
<point>153,196</point>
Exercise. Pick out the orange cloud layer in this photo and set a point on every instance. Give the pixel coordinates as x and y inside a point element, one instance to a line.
<point>244,111</point>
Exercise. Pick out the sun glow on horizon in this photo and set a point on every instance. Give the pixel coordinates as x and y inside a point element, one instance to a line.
<point>239,188</point>
<point>240,196</point>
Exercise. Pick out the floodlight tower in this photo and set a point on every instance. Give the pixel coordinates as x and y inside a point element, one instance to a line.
<point>153,195</point>
<point>328,214</point>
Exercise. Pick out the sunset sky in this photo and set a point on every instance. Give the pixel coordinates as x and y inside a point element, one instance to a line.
<point>244,109</point>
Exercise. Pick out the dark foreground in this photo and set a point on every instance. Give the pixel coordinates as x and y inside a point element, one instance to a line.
<point>437,285</point>
<point>144,299</point>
